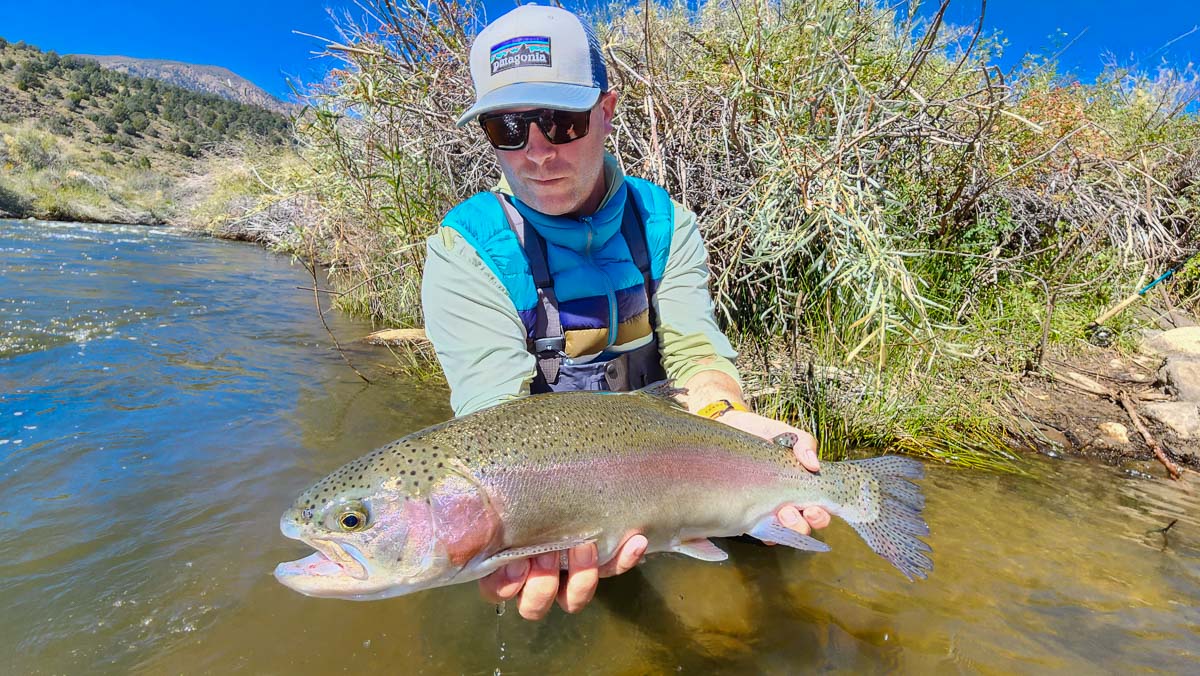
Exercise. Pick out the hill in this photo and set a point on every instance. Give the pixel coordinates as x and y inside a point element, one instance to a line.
<point>199,78</point>
<point>81,142</point>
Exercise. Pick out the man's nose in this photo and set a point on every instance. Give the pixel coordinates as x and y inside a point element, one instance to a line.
<point>538,149</point>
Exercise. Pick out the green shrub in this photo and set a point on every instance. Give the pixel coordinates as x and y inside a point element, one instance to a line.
<point>33,149</point>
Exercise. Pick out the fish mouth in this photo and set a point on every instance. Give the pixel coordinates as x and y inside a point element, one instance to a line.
<point>331,560</point>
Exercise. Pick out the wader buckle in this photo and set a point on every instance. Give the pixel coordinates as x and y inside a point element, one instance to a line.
<point>554,345</point>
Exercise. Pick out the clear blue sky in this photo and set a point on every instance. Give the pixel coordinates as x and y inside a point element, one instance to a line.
<point>255,39</point>
<point>1133,31</point>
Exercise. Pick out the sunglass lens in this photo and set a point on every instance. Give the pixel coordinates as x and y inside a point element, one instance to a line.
<point>564,126</point>
<point>506,132</point>
<point>510,131</point>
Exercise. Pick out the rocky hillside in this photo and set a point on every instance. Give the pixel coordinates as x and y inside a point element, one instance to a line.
<point>207,79</point>
<point>81,142</point>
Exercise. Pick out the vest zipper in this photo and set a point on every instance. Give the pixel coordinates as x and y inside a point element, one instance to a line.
<point>608,290</point>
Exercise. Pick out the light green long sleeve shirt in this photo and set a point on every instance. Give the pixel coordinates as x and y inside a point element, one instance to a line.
<point>480,339</point>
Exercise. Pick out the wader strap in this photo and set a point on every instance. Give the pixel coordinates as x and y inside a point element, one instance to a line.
<point>548,342</point>
<point>634,232</point>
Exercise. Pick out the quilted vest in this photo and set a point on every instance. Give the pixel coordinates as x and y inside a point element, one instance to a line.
<point>600,294</point>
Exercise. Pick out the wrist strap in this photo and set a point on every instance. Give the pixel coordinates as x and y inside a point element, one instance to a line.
<point>719,408</point>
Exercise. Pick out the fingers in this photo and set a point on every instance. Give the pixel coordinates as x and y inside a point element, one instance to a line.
<point>806,451</point>
<point>803,521</point>
<point>536,580</point>
<point>816,517</point>
<point>789,516</point>
<point>541,586</point>
<point>628,556</point>
<point>503,584</point>
<point>582,577</point>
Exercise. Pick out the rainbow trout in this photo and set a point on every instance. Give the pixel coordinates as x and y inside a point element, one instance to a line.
<point>456,501</point>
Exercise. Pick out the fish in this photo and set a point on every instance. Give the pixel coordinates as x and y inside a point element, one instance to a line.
<point>453,502</point>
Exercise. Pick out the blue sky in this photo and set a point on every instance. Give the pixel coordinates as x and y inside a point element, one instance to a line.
<point>255,38</point>
<point>1131,31</point>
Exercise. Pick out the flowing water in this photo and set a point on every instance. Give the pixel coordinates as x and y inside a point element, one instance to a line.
<point>164,397</point>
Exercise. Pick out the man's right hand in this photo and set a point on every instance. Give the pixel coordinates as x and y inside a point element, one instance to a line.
<point>536,580</point>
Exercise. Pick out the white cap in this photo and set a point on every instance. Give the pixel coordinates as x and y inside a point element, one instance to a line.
<point>536,56</point>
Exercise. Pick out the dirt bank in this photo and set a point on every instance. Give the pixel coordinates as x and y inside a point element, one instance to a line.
<point>1092,402</point>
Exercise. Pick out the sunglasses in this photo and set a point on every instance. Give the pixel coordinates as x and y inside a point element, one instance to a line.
<point>510,131</point>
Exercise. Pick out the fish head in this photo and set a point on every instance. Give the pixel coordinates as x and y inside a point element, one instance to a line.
<point>385,536</point>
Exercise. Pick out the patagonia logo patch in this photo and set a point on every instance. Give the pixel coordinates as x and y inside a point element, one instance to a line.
<point>527,50</point>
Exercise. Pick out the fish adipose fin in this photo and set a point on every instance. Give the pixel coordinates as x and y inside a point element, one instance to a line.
<point>770,530</point>
<point>893,534</point>
<point>702,549</point>
<point>518,553</point>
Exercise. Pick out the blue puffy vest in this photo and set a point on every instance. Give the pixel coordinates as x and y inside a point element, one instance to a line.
<point>601,295</point>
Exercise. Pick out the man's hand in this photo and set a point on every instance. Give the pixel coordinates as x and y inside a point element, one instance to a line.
<point>800,520</point>
<point>537,581</point>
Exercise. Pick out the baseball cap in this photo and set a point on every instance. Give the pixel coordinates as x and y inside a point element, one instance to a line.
<point>536,56</point>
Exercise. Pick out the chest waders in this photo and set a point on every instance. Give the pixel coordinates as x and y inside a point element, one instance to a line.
<point>625,372</point>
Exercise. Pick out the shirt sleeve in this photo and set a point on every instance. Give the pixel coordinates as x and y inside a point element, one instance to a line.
<point>473,325</point>
<point>688,336</point>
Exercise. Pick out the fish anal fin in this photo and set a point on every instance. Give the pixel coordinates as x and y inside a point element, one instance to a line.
<point>700,548</point>
<point>770,530</point>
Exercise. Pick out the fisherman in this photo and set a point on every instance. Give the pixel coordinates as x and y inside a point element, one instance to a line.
<point>571,275</point>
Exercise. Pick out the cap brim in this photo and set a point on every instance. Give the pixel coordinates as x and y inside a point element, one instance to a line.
<point>536,95</point>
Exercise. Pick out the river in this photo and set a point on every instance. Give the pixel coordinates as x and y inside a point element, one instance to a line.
<point>164,397</point>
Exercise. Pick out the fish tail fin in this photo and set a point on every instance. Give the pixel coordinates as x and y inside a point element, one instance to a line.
<point>894,532</point>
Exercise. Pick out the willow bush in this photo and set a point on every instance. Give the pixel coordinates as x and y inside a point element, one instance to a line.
<point>890,217</point>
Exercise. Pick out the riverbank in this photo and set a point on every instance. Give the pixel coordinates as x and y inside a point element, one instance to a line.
<point>1074,405</point>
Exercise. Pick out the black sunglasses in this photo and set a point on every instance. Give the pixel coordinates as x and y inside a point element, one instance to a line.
<point>510,131</point>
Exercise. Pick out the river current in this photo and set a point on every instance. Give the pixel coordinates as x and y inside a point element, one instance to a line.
<point>164,397</point>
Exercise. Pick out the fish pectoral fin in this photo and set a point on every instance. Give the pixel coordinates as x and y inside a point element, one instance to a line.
<point>518,553</point>
<point>770,530</point>
<point>700,548</point>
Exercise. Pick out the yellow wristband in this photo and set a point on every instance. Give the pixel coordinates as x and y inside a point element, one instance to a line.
<point>719,408</point>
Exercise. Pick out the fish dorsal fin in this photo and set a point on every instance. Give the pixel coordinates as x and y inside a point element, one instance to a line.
<point>700,548</point>
<point>665,391</point>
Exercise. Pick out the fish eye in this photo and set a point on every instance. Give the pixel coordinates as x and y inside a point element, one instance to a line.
<point>352,520</point>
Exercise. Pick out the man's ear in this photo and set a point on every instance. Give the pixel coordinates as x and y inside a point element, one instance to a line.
<point>608,106</point>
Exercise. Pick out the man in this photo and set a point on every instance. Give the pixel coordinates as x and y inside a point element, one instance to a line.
<point>572,276</point>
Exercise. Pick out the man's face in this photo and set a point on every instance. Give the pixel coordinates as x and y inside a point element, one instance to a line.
<point>563,179</point>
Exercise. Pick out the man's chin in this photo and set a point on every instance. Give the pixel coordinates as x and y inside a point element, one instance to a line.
<point>553,198</point>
